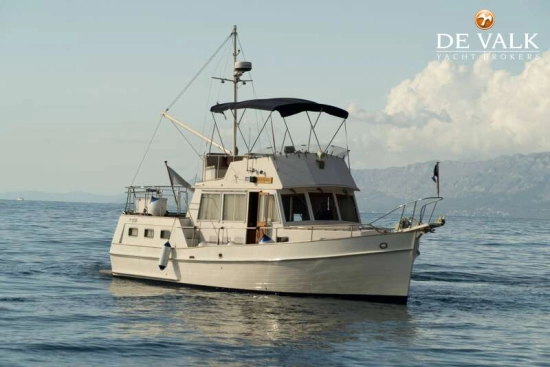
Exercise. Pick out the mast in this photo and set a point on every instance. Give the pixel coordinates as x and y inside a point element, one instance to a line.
<point>235,81</point>
<point>239,68</point>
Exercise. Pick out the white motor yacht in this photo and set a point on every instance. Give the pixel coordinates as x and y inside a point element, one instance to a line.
<point>280,220</point>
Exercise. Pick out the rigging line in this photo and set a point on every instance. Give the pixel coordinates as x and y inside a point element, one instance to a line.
<point>254,93</point>
<point>202,144</point>
<point>147,150</point>
<point>173,227</point>
<point>212,136</point>
<point>224,55</point>
<point>216,129</point>
<point>219,135</point>
<point>240,46</point>
<point>187,140</point>
<point>198,73</point>
<point>256,112</point>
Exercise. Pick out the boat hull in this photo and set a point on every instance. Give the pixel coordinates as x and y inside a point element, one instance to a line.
<point>376,267</point>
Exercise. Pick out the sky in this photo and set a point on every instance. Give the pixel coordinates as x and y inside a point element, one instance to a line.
<point>83,83</point>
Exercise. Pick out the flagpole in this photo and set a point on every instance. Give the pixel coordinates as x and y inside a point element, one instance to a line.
<point>435,177</point>
<point>437,165</point>
<point>172,184</point>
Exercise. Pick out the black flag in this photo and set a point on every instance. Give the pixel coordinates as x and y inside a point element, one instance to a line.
<point>435,176</point>
<point>176,179</point>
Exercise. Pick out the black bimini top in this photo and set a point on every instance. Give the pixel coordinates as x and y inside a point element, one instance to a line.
<point>285,106</point>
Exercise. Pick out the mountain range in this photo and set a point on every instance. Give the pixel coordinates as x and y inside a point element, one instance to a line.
<point>514,186</point>
<point>507,186</point>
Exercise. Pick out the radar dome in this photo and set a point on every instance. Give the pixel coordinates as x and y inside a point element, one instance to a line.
<point>243,66</point>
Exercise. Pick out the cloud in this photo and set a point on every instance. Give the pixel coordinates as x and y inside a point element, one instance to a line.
<point>450,111</point>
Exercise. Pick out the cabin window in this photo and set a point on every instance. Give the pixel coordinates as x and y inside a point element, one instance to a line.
<point>165,234</point>
<point>348,209</point>
<point>149,233</point>
<point>132,232</point>
<point>273,209</point>
<point>295,207</point>
<point>234,207</point>
<point>322,205</point>
<point>210,207</point>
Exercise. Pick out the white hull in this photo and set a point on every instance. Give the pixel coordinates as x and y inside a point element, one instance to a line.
<point>348,267</point>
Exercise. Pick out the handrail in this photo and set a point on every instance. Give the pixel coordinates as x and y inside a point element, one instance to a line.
<point>148,191</point>
<point>415,217</point>
<point>406,221</point>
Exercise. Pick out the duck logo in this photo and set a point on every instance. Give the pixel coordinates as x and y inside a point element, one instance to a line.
<point>484,19</point>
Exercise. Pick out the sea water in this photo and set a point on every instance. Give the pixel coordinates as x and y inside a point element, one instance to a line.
<point>480,295</point>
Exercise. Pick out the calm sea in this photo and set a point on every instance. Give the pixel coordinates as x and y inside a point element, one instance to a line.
<point>480,295</point>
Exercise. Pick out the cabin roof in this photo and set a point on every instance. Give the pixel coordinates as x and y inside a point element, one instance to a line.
<point>290,171</point>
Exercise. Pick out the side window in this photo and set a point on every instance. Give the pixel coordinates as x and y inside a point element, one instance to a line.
<point>273,209</point>
<point>132,232</point>
<point>149,233</point>
<point>295,207</point>
<point>348,209</point>
<point>210,207</point>
<point>234,207</point>
<point>165,234</point>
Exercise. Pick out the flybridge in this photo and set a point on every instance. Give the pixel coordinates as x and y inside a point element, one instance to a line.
<point>487,42</point>
<point>287,107</point>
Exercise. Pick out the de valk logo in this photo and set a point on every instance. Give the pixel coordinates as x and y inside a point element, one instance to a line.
<point>502,46</point>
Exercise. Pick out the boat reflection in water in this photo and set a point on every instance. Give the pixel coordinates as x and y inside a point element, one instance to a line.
<point>155,310</point>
